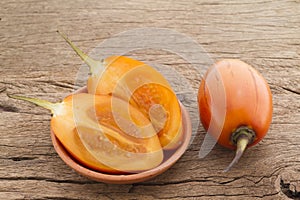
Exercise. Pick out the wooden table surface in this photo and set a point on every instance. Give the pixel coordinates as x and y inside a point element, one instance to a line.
<point>35,61</point>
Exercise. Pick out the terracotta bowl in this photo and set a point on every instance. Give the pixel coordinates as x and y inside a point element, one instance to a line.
<point>129,178</point>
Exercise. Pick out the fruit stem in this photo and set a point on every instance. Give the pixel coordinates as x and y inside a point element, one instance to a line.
<point>53,107</point>
<point>94,65</point>
<point>241,138</point>
<point>241,146</point>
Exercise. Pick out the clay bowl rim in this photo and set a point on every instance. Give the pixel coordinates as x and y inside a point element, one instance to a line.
<point>127,178</point>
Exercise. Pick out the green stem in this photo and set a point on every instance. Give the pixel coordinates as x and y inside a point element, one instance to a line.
<point>241,146</point>
<point>241,138</point>
<point>94,65</point>
<point>53,107</point>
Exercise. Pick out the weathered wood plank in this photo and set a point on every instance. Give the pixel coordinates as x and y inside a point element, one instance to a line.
<point>35,61</point>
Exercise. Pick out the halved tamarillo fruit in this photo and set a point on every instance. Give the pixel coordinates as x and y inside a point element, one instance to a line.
<point>86,126</point>
<point>142,86</point>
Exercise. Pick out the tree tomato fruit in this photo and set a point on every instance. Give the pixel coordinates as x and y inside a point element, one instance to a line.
<point>235,99</point>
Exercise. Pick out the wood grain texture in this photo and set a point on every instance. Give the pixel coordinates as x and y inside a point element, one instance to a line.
<point>35,61</point>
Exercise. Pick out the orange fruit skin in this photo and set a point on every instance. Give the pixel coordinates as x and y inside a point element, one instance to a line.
<point>235,92</point>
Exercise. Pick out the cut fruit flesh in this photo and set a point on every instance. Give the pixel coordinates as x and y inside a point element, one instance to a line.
<point>110,144</point>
